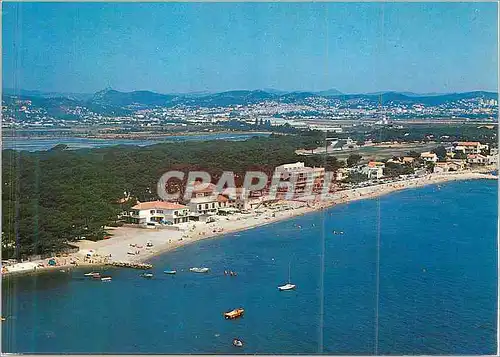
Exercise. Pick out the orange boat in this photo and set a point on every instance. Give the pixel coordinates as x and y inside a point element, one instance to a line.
<point>233,314</point>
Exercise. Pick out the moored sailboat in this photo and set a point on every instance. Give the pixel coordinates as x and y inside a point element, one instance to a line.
<point>289,285</point>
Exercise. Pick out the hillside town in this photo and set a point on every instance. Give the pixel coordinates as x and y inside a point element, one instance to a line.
<point>239,108</point>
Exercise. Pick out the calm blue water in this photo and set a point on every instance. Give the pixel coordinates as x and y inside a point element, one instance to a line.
<point>29,144</point>
<point>437,287</point>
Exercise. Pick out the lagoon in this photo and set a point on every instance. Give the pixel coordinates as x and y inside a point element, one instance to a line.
<point>40,144</point>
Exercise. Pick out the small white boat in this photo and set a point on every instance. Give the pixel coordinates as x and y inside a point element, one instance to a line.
<point>91,274</point>
<point>147,275</point>
<point>106,278</point>
<point>287,287</point>
<point>199,270</point>
<point>170,271</point>
<point>237,343</point>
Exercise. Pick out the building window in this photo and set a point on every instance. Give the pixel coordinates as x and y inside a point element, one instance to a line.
<point>152,211</point>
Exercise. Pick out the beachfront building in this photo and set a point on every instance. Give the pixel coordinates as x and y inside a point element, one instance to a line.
<point>374,170</point>
<point>477,159</point>
<point>207,201</point>
<point>208,205</point>
<point>304,176</point>
<point>241,202</point>
<point>456,165</point>
<point>341,174</point>
<point>492,159</point>
<point>469,147</point>
<point>429,157</point>
<point>158,212</point>
<point>203,192</point>
<point>408,160</point>
<point>440,167</point>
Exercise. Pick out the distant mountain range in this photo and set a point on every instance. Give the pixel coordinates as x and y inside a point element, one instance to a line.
<point>114,101</point>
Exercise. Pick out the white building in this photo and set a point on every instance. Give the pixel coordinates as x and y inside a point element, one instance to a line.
<point>208,204</point>
<point>469,147</point>
<point>477,159</point>
<point>305,176</point>
<point>441,167</point>
<point>341,174</point>
<point>159,212</point>
<point>374,170</point>
<point>429,157</point>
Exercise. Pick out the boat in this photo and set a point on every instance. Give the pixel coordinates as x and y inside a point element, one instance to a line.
<point>147,275</point>
<point>3,318</point>
<point>170,271</point>
<point>90,274</point>
<point>233,314</point>
<point>289,285</point>
<point>106,278</point>
<point>96,275</point>
<point>237,343</point>
<point>199,270</point>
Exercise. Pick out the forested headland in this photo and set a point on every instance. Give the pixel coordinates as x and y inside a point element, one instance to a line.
<point>53,197</point>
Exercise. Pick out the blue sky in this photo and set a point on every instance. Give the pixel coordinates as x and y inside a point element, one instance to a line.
<point>185,47</point>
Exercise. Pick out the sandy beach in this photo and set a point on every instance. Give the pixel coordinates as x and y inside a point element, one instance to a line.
<point>133,244</point>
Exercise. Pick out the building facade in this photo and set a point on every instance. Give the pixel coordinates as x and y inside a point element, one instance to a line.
<point>429,157</point>
<point>469,147</point>
<point>374,170</point>
<point>304,177</point>
<point>158,212</point>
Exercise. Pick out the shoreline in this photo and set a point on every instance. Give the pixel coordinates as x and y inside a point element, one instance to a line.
<point>166,240</point>
<point>389,188</point>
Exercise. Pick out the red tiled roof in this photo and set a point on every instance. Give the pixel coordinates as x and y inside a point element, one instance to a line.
<point>211,187</point>
<point>158,205</point>
<point>474,156</point>
<point>375,164</point>
<point>221,198</point>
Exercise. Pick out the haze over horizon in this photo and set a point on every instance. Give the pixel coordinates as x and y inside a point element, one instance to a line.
<point>269,90</point>
<point>198,47</point>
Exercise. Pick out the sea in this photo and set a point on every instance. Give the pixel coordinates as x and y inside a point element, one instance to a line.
<point>414,273</point>
<point>42,144</point>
